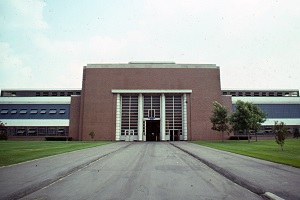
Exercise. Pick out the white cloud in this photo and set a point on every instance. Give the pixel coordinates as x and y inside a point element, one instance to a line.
<point>22,14</point>
<point>13,71</point>
<point>246,39</point>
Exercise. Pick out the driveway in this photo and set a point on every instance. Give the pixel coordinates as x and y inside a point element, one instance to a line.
<point>145,170</point>
<point>256,175</point>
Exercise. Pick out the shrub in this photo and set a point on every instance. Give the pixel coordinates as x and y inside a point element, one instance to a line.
<point>239,137</point>
<point>3,135</point>
<point>58,138</point>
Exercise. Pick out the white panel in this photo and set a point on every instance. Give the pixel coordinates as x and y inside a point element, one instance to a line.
<point>184,118</point>
<point>163,118</point>
<point>118,117</point>
<point>35,100</point>
<point>36,122</point>
<point>140,116</point>
<point>271,122</point>
<point>137,91</point>
<point>268,100</point>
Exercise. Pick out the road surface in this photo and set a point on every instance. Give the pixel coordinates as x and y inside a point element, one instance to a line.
<point>144,170</point>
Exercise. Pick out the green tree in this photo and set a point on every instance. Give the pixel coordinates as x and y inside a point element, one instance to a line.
<point>3,135</point>
<point>92,135</point>
<point>296,133</point>
<point>280,131</point>
<point>220,119</point>
<point>247,117</point>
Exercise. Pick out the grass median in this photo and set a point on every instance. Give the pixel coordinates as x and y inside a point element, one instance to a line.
<point>262,149</point>
<point>12,152</point>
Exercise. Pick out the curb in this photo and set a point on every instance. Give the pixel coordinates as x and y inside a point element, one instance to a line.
<point>272,196</point>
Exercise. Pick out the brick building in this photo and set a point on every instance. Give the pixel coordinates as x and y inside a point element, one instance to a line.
<point>146,102</point>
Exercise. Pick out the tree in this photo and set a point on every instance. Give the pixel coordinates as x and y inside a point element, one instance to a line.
<point>92,135</point>
<point>3,135</point>
<point>220,119</point>
<point>296,133</point>
<point>247,117</point>
<point>280,131</point>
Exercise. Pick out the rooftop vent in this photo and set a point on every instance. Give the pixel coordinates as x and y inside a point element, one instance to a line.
<point>151,62</point>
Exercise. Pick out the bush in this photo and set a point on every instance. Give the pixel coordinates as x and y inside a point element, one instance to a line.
<point>58,138</point>
<point>239,137</point>
<point>3,136</point>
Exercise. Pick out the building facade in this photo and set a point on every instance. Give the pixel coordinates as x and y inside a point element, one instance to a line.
<point>147,102</point>
<point>138,102</point>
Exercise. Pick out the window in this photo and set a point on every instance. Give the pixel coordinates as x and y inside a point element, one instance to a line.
<point>13,111</point>
<point>23,111</point>
<point>271,94</point>
<point>256,94</point>
<point>34,111</point>
<point>62,111</point>
<point>263,94</point>
<point>32,131</point>
<point>151,113</point>
<point>45,93</point>
<point>43,111</point>
<point>70,93</point>
<point>4,111</point>
<point>232,93</point>
<point>37,94</point>
<point>224,93</point>
<point>78,93</point>
<point>54,93</point>
<point>52,111</point>
<point>240,93</point>
<point>248,94</point>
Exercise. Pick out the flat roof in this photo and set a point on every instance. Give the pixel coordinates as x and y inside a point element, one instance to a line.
<point>39,89</point>
<point>157,65</point>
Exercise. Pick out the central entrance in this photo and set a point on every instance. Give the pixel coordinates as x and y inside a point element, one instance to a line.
<point>152,130</point>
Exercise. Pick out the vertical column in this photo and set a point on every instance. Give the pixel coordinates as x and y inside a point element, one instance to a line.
<point>118,117</point>
<point>162,117</point>
<point>140,117</point>
<point>184,117</point>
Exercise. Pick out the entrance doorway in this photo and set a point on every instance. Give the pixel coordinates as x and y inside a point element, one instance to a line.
<point>174,135</point>
<point>152,130</point>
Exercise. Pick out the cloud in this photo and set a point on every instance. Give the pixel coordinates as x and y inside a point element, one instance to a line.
<point>242,39</point>
<point>22,14</point>
<point>13,71</point>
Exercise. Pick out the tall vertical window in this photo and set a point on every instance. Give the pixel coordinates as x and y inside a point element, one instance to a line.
<point>129,119</point>
<point>173,113</point>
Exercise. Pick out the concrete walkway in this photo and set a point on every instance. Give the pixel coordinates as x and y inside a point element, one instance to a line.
<point>14,183</point>
<point>257,175</point>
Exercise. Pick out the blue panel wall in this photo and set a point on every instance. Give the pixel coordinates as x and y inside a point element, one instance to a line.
<point>279,110</point>
<point>50,111</point>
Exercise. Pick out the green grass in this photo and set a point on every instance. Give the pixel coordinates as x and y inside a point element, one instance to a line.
<point>262,149</point>
<point>12,152</point>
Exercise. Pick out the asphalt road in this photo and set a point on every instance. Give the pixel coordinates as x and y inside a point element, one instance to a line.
<point>141,171</point>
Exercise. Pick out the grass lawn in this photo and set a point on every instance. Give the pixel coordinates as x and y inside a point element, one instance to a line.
<point>12,152</point>
<point>263,149</point>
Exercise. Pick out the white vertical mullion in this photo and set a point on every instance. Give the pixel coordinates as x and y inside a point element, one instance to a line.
<point>140,117</point>
<point>118,117</point>
<point>129,109</point>
<point>184,118</point>
<point>162,117</point>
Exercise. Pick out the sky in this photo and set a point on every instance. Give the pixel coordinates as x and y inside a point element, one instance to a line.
<point>45,44</point>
